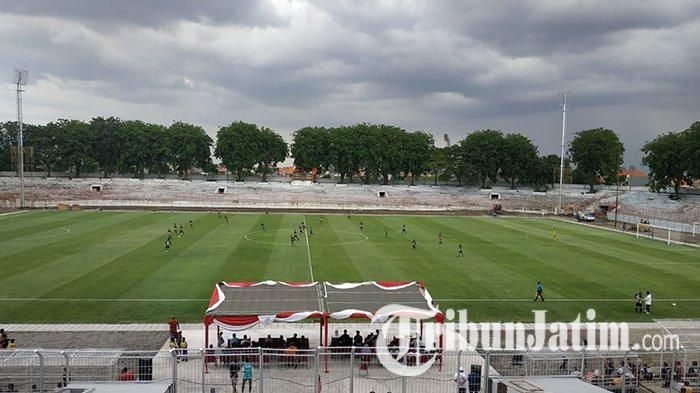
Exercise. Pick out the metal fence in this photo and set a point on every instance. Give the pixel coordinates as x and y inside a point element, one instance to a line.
<point>338,369</point>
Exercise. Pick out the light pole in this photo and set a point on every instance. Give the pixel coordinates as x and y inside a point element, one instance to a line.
<point>20,80</point>
<point>563,138</point>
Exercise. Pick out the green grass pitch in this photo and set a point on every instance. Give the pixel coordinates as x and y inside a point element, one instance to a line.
<point>99,266</point>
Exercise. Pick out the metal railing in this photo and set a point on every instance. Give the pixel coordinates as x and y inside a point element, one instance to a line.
<point>337,369</point>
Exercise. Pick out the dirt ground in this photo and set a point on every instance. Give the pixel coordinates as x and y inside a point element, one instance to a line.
<point>130,341</point>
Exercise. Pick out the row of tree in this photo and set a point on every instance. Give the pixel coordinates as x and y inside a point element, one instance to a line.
<point>111,145</point>
<point>673,159</point>
<point>362,152</point>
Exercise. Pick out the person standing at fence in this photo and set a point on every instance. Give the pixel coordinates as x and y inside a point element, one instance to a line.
<point>233,373</point>
<point>474,380</point>
<point>461,381</point>
<point>247,376</point>
<point>183,348</point>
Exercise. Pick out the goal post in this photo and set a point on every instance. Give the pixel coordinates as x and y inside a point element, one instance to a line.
<point>695,227</point>
<point>654,232</point>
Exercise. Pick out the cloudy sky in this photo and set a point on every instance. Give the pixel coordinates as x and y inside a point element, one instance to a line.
<point>436,65</point>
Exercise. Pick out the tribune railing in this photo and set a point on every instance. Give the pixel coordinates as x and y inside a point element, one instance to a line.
<point>339,369</point>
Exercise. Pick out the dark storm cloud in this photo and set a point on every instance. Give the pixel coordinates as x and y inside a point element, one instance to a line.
<point>440,66</point>
<point>148,12</point>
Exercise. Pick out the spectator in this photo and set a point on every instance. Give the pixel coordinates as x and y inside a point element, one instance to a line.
<point>234,342</point>
<point>693,371</point>
<point>173,326</point>
<point>666,375</point>
<point>345,339</point>
<point>183,349</point>
<point>679,373</point>
<point>474,380</point>
<point>609,367</point>
<point>126,375</point>
<point>233,373</point>
<point>245,343</point>
<point>247,377</point>
<point>34,389</point>
<point>647,374</point>
<point>686,387</point>
<point>172,344</point>
<point>58,388</point>
<point>357,340</point>
<point>461,381</point>
<point>11,387</point>
<point>12,344</point>
<point>220,339</point>
<point>3,339</point>
<point>210,356</point>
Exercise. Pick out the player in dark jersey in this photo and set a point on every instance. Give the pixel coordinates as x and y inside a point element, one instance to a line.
<point>168,243</point>
<point>191,224</point>
<point>362,226</point>
<point>460,251</point>
<point>262,227</point>
<point>439,237</point>
<point>226,218</point>
<point>403,229</point>
<point>292,239</point>
<point>413,245</point>
<point>386,232</point>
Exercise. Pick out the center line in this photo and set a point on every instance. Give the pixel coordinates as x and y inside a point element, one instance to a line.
<point>308,249</point>
<point>311,268</point>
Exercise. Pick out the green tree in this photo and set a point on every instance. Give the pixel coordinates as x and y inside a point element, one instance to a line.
<point>311,148</point>
<point>47,144</point>
<point>544,172</point>
<point>439,163</point>
<point>386,146</point>
<point>237,147</point>
<point>692,150</point>
<point>271,149</point>
<point>8,138</point>
<point>519,158</point>
<point>483,151</point>
<point>190,146</point>
<point>136,148</point>
<point>343,154</point>
<point>76,144</point>
<point>418,150</point>
<point>665,157</point>
<point>160,148</point>
<point>107,143</point>
<point>597,154</point>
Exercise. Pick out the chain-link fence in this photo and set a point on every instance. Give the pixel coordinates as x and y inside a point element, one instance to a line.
<point>341,369</point>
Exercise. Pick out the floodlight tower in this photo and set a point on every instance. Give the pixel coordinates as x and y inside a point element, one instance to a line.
<point>20,80</point>
<point>564,108</point>
<point>446,138</point>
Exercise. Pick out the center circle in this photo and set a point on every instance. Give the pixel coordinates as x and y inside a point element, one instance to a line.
<point>361,237</point>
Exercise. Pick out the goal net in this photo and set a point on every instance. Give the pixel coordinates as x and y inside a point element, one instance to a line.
<point>654,232</point>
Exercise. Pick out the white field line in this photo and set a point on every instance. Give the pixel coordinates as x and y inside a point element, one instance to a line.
<point>15,299</point>
<point>562,300</point>
<point>617,231</point>
<point>308,250</point>
<point>311,268</point>
<point>21,299</point>
<point>11,213</point>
